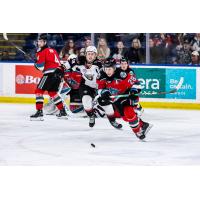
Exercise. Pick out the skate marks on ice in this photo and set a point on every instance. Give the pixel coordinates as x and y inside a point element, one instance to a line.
<point>173,140</point>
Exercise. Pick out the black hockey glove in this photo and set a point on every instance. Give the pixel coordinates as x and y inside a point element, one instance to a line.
<point>106,95</point>
<point>105,98</point>
<point>73,62</point>
<point>133,93</point>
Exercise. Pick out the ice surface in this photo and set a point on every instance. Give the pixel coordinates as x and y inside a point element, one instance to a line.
<point>174,139</point>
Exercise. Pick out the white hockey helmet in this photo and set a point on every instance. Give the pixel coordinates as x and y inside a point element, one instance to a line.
<point>91,49</point>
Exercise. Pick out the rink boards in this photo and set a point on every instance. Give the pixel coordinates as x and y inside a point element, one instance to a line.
<point>18,82</point>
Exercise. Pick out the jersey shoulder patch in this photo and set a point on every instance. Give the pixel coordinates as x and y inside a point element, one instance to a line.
<point>123,74</point>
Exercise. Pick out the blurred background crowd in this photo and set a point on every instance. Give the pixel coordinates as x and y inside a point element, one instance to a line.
<point>138,48</point>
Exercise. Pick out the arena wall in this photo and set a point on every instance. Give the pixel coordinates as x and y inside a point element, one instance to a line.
<point>18,81</point>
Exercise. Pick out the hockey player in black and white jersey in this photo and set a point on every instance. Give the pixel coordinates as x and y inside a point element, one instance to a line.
<point>88,84</point>
<point>88,87</point>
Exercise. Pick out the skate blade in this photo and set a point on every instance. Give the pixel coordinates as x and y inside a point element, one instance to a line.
<point>37,119</point>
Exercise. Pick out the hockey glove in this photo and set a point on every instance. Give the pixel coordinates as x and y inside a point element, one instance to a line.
<point>105,94</point>
<point>133,93</point>
<point>105,98</point>
<point>73,62</point>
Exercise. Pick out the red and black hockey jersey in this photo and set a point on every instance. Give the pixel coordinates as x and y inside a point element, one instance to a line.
<point>120,83</point>
<point>47,60</point>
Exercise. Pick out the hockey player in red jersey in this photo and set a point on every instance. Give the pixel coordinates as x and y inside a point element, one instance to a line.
<point>124,65</point>
<point>48,62</point>
<point>116,82</point>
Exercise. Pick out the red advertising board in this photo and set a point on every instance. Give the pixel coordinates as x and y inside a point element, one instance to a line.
<point>26,79</point>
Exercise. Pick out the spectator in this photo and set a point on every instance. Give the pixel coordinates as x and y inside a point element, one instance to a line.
<point>155,52</point>
<point>184,53</point>
<point>196,43</point>
<point>134,53</point>
<point>87,43</point>
<point>119,51</point>
<point>68,49</point>
<point>195,58</point>
<point>103,50</point>
<point>167,48</point>
<point>5,56</point>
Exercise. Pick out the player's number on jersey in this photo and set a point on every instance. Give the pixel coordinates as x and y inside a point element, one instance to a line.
<point>56,59</point>
<point>132,80</point>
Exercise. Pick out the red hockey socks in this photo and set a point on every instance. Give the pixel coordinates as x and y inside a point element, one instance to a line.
<point>57,100</point>
<point>39,99</point>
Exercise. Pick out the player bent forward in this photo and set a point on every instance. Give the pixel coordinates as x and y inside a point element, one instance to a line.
<point>112,82</point>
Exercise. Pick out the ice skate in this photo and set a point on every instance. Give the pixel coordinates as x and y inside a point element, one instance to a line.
<point>92,120</point>
<point>62,114</point>
<point>144,130</point>
<point>115,124</point>
<point>38,116</point>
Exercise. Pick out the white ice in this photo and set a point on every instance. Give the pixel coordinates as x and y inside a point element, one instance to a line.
<point>173,140</point>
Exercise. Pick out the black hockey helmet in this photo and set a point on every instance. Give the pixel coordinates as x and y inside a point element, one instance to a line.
<point>110,62</point>
<point>123,59</point>
<point>43,36</point>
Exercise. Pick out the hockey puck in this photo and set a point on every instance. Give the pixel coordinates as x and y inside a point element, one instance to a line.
<point>92,145</point>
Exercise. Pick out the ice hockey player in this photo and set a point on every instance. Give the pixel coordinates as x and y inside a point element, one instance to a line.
<point>112,81</point>
<point>88,84</point>
<point>124,65</point>
<point>48,62</point>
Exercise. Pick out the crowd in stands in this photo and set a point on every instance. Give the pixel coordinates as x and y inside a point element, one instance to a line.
<point>164,48</point>
<point>175,48</point>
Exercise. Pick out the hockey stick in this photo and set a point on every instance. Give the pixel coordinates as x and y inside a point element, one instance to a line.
<point>14,45</point>
<point>157,93</point>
